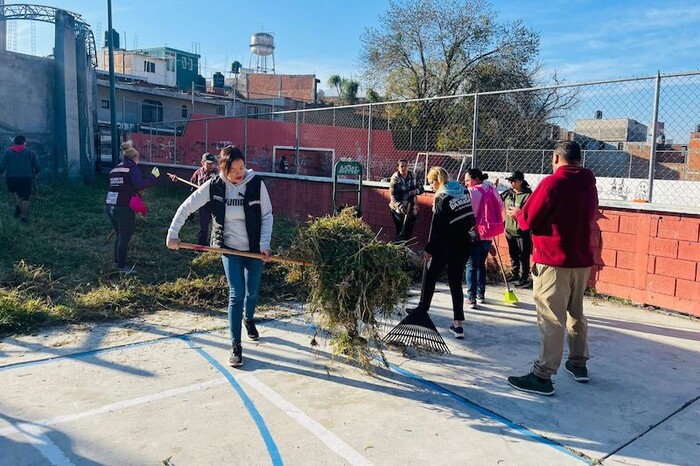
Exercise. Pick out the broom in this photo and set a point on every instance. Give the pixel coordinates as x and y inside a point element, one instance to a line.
<point>254,255</point>
<point>509,296</point>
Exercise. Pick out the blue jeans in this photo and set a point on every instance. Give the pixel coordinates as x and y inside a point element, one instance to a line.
<point>243,275</point>
<point>476,269</point>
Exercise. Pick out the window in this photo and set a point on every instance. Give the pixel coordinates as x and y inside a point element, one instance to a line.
<point>189,62</point>
<point>151,111</point>
<point>184,62</point>
<point>149,67</point>
<point>220,110</point>
<point>620,146</point>
<point>184,111</point>
<point>105,103</point>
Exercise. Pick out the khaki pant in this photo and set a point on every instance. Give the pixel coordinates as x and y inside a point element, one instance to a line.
<point>559,299</point>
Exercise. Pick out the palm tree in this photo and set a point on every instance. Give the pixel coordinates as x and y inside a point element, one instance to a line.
<point>335,81</point>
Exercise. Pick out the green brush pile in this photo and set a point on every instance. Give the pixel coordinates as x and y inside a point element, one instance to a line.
<point>355,279</point>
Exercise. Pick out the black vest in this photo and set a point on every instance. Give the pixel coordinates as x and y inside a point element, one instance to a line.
<point>251,208</point>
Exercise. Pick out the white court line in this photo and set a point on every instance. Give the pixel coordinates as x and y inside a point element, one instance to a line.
<point>326,436</point>
<point>120,405</point>
<point>36,437</point>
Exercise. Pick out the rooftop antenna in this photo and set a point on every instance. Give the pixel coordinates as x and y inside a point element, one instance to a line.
<point>32,32</point>
<point>98,28</point>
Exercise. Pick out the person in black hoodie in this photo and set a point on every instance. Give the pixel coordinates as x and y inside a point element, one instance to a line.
<point>448,245</point>
<point>20,166</point>
<point>125,183</point>
<point>519,241</point>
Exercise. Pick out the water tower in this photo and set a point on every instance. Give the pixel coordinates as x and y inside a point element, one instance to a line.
<point>262,46</point>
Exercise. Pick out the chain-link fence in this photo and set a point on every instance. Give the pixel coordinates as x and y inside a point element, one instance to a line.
<point>640,136</point>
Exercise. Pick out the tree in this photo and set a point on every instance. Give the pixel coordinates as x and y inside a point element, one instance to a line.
<point>334,81</point>
<point>427,48</point>
<point>346,89</point>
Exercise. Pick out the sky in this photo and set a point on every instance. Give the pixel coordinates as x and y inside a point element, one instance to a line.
<point>580,40</point>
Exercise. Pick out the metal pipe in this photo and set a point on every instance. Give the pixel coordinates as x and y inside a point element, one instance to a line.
<point>369,141</point>
<point>652,155</point>
<point>112,92</point>
<point>475,128</point>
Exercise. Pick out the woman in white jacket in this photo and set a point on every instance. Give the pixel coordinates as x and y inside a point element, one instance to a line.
<point>242,221</point>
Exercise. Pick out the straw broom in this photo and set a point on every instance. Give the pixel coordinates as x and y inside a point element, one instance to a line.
<point>509,296</point>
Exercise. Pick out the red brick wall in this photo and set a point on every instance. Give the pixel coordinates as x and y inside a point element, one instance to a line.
<point>648,258</point>
<point>298,87</point>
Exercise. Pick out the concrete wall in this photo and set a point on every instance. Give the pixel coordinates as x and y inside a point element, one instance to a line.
<point>27,103</point>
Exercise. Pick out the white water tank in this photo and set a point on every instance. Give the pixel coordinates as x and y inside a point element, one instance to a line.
<point>262,43</point>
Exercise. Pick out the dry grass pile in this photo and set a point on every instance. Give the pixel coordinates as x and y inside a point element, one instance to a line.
<point>356,279</point>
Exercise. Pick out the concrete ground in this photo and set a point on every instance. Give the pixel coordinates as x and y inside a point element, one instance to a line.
<point>149,391</point>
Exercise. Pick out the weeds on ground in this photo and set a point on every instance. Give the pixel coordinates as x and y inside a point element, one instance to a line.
<point>58,268</point>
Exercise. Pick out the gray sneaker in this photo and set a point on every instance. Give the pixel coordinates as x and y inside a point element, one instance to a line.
<point>580,374</point>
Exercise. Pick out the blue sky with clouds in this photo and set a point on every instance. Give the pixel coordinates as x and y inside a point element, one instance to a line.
<point>581,40</point>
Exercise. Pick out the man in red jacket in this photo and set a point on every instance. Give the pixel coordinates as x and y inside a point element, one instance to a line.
<point>560,215</point>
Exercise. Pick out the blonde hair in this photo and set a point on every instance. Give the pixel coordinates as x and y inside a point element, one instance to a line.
<point>439,174</point>
<point>128,151</point>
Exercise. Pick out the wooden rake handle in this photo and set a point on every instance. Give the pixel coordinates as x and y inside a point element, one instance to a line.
<point>182,180</point>
<point>254,255</point>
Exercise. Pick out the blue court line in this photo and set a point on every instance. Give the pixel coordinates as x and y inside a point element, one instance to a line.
<point>87,354</point>
<point>247,402</point>
<point>488,413</point>
<point>480,409</point>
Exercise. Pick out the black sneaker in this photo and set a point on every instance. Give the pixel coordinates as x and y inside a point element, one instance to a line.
<point>532,384</point>
<point>415,310</point>
<point>524,284</point>
<point>236,359</point>
<point>458,332</point>
<point>471,303</point>
<point>580,374</point>
<point>250,328</point>
<point>18,212</point>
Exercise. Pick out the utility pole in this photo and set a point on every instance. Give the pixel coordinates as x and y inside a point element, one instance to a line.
<point>112,92</point>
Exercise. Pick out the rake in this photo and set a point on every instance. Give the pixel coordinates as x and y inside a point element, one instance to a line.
<point>416,329</point>
<point>254,255</point>
<point>509,296</point>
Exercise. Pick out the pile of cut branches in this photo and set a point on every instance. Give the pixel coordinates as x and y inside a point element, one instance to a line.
<point>355,279</point>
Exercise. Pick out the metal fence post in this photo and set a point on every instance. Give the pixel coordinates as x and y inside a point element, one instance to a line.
<point>542,163</point>
<point>206,135</point>
<point>150,144</point>
<point>369,142</point>
<point>245,137</point>
<point>652,154</point>
<point>475,128</point>
<point>175,138</point>
<point>296,144</point>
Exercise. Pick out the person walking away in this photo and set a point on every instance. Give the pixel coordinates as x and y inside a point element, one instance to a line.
<point>519,241</point>
<point>20,166</point>
<point>403,190</point>
<point>208,170</point>
<point>488,209</point>
<point>448,244</point>
<point>242,216</point>
<point>560,214</point>
<point>125,186</point>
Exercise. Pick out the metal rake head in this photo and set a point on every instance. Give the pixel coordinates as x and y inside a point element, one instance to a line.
<point>417,330</point>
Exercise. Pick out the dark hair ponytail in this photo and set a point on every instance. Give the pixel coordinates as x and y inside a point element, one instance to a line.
<point>476,174</point>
